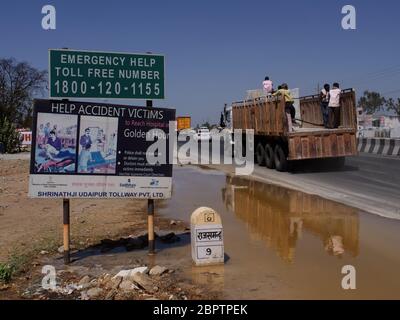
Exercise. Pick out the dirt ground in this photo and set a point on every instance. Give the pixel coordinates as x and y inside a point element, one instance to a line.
<point>36,224</point>
<point>31,229</point>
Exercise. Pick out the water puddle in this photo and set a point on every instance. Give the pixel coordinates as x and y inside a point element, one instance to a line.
<point>279,243</point>
<point>282,243</point>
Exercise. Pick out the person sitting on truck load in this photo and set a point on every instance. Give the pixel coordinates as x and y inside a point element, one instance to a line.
<point>334,106</point>
<point>324,96</point>
<point>289,108</point>
<point>268,86</point>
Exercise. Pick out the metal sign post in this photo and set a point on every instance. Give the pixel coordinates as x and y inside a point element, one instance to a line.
<point>150,222</point>
<point>66,226</point>
<point>66,223</point>
<point>150,210</point>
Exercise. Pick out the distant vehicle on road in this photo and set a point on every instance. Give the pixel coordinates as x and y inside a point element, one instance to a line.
<point>188,131</point>
<point>278,143</point>
<point>203,134</point>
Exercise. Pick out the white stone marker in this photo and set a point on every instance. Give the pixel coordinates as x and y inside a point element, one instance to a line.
<point>207,237</point>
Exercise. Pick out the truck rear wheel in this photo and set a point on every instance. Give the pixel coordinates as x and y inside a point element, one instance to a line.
<point>281,163</point>
<point>269,156</point>
<point>260,155</point>
<point>337,162</point>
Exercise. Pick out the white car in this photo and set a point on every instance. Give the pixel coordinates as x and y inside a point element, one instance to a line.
<point>203,134</point>
<point>188,132</point>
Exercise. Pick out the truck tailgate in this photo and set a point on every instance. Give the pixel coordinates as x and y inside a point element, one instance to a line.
<point>323,143</point>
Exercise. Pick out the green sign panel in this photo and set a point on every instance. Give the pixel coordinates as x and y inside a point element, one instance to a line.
<point>84,74</point>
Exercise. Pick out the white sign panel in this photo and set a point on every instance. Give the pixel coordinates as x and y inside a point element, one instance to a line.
<point>53,186</point>
<point>97,150</point>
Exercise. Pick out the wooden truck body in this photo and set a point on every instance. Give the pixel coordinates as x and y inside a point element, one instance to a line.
<point>183,123</point>
<point>277,142</point>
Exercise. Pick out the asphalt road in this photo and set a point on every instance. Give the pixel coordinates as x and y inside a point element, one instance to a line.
<point>368,182</point>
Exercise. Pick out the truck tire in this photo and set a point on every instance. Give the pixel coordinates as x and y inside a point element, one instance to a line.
<point>260,155</point>
<point>281,163</point>
<point>269,156</point>
<point>337,163</point>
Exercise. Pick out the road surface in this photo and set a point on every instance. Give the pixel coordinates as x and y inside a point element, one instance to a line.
<point>368,182</point>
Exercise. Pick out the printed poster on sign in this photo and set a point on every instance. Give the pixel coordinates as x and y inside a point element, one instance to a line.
<point>95,150</point>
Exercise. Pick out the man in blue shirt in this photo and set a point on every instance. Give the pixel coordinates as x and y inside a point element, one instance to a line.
<point>85,139</point>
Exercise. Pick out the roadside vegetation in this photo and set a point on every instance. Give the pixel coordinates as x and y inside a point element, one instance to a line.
<point>20,83</point>
<point>6,271</point>
<point>372,102</point>
<point>9,137</point>
<point>21,260</point>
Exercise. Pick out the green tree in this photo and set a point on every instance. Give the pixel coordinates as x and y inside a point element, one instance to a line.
<point>393,105</point>
<point>9,137</point>
<point>206,124</point>
<point>371,102</point>
<point>19,83</point>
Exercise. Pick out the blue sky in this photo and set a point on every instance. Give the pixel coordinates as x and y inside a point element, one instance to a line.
<point>216,50</point>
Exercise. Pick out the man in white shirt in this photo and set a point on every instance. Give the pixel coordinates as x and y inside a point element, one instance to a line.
<point>334,106</point>
<point>324,98</point>
<point>268,86</point>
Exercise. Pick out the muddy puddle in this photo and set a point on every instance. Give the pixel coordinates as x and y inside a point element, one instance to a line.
<point>279,243</point>
<point>282,243</point>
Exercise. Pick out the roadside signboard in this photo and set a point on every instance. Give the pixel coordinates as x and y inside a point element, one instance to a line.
<point>97,150</point>
<point>26,138</point>
<point>90,74</point>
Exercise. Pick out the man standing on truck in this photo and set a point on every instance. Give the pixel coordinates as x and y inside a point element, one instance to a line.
<point>334,106</point>
<point>324,96</point>
<point>289,108</point>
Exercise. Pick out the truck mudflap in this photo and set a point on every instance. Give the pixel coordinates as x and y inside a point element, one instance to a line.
<point>322,145</point>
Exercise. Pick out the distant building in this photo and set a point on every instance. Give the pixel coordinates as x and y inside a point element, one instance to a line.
<point>385,124</point>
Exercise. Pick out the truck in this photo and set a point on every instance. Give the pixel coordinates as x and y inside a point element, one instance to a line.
<point>183,122</point>
<point>278,144</point>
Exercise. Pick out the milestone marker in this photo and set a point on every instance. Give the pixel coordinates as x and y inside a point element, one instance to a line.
<point>207,237</point>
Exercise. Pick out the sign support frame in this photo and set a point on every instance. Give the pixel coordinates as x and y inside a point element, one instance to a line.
<point>66,201</point>
<point>66,231</point>
<point>66,226</point>
<point>150,212</point>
